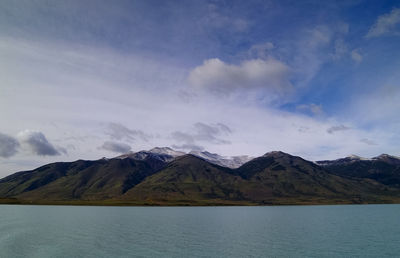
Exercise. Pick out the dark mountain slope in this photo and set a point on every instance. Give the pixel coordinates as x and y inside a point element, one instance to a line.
<point>384,168</point>
<point>275,178</point>
<point>189,178</point>
<point>81,180</point>
<point>30,180</point>
<point>280,175</point>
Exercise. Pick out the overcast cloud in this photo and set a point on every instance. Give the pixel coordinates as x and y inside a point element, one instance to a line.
<point>337,128</point>
<point>118,147</point>
<point>8,146</point>
<point>311,108</point>
<point>229,77</point>
<point>201,132</point>
<point>119,132</point>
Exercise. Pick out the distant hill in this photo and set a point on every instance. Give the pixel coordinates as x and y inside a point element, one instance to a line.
<point>384,168</point>
<point>165,177</point>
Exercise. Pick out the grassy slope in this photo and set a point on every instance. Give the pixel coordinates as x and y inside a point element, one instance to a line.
<point>80,180</point>
<point>291,178</point>
<point>188,179</point>
<point>275,179</point>
<point>266,180</point>
<point>384,172</point>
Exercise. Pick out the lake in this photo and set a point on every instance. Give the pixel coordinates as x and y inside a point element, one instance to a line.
<point>274,231</point>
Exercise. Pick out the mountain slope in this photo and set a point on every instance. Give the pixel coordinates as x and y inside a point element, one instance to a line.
<point>280,175</point>
<point>274,178</point>
<point>167,154</point>
<point>230,162</point>
<point>188,178</point>
<point>384,168</point>
<point>163,154</point>
<point>80,180</point>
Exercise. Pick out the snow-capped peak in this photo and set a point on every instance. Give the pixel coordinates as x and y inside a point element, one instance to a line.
<point>355,157</point>
<point>349,159</point>
<point>167,154</point>
<point>385,156</point>
<point>206,155</point>
<point>166,151</point>
<point>231,162</point>
<point>388,158</point>
<point>164,154</point>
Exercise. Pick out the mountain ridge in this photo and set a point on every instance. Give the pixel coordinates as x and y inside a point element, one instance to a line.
<point>162,176</point>
<point>168,154</point>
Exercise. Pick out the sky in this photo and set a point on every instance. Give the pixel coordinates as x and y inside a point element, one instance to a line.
<point>92,79</point>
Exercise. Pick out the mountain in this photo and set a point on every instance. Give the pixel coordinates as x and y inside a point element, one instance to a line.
<point>274,178</point>
<point>167,154</point>
<point>164,154</point>
<point>280,175</point>
<point>231,162</point>
<point>79,180</point>
<point>383,168</point>
<point>393,160</point>
<point>188,179</point>
<point>341,161</point>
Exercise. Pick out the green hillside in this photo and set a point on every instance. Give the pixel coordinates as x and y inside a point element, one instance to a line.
<point>275,178</point>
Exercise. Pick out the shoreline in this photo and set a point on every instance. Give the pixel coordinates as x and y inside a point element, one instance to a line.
<point>188,204</point>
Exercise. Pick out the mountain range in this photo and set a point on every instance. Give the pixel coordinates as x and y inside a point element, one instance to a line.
<point>163,176</point>
<point>168,154</point>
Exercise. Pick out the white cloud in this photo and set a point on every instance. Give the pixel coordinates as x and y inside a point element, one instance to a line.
<point>377,110</point>
<point>386,24</point>
<point>219,77</point>
<point>379,106</point>
<point>356,55</point>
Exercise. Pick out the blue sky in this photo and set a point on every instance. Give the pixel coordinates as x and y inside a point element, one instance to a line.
<point>86,79</point>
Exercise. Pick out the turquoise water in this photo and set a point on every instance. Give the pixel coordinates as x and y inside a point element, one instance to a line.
<point>280,231</point>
